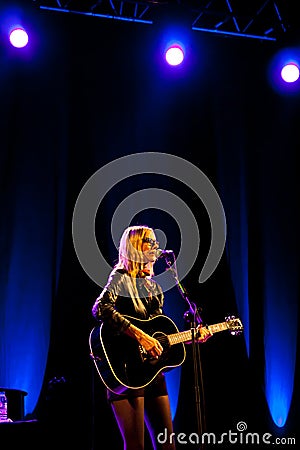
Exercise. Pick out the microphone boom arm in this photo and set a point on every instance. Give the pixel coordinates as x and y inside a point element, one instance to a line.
<point>193,310</point>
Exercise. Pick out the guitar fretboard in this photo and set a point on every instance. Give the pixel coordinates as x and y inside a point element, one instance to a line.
<point>185,336</point>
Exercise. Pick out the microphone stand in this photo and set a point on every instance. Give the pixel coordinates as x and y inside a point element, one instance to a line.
<point>192,317</point>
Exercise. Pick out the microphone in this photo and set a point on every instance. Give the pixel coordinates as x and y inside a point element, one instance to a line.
<point>161,253</point>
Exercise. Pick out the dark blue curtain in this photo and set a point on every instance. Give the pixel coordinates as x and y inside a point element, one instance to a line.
<point>259,184</point>
<point>33,175</point>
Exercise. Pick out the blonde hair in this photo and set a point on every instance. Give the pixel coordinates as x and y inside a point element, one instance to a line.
<point>131,257</point>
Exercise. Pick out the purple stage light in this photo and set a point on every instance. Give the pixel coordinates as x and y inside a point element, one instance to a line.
<point>18,37</point>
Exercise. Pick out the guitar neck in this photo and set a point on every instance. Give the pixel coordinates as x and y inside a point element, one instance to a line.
<point>185,336</point>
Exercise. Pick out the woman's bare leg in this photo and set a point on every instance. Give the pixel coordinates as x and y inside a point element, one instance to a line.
<point>158,418</point>
<point>129,414</point>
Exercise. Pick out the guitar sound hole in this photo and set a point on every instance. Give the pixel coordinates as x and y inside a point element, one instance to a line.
<point>163,339</point>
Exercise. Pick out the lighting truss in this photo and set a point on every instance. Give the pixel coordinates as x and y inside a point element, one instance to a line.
<point>256,19</point>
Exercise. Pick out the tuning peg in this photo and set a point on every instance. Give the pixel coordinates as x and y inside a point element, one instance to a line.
<point>229,318</point>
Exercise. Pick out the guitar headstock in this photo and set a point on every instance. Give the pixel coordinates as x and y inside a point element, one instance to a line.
<point>234,324</point>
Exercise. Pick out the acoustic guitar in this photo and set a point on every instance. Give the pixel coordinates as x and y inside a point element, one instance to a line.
<point>122,362</point>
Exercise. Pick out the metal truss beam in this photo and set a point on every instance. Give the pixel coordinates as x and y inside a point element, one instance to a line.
<point>255,19</point>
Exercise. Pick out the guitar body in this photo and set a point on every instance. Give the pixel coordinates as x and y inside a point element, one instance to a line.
<point>122,363</point>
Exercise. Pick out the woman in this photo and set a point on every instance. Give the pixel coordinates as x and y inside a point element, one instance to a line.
<point>131,291</point>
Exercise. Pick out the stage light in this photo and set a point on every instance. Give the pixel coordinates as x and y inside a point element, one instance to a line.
<point>18,37</point>
<point>290,73</point>
<point>174,55</point>
<point>284,71</point>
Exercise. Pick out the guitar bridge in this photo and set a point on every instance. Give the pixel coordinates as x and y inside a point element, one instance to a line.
<point>143,354</point>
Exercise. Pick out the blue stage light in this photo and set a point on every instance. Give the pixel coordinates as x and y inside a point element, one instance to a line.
<point>174,55</point>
